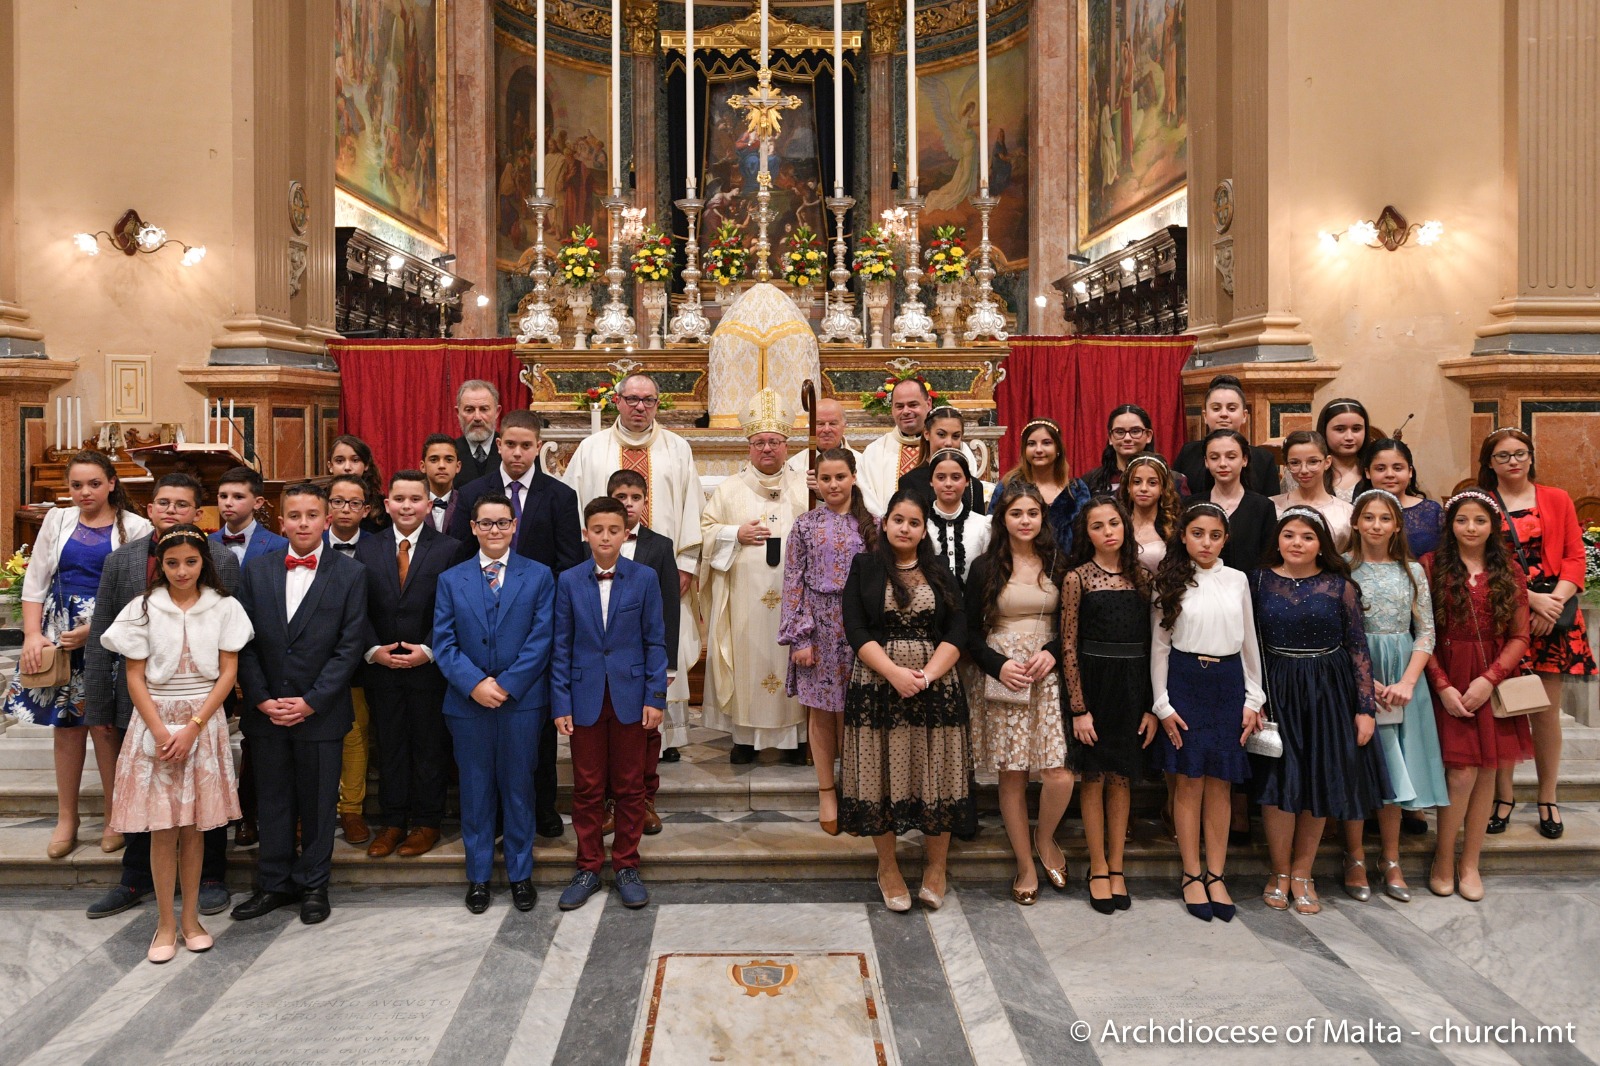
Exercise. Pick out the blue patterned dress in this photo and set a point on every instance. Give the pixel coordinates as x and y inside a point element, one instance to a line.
<point>68,605</point>
<point>1424,524</point>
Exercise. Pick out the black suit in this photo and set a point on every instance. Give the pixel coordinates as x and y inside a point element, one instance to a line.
<point>471,470</point>
<point>404,705</point>
<point>548,532</point>
<point>659,554</point>
<point>1260,476</point>
<point>313,655</point>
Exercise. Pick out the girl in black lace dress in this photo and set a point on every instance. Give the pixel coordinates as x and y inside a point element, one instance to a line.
<point>1319,690</point>
<point>1105,627</point>
<point>905,752</point>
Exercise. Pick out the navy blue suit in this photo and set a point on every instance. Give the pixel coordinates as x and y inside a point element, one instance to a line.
<point>262,541</point>
<point>478,635</point>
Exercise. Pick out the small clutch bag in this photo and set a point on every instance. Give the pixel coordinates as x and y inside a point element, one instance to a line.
<point>997,691</point>
<point>55,669</point>
<point>1516,696</point>
<point>1267,741</point>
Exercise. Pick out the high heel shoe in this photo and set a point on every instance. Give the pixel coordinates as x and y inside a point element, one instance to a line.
<point>1362,892</point>
<point>162,954</point>
<point>60,849</point>
<point>1276,898</point>
<point>1305,902</point>
<point>1223,911</point>
<point>831,826</point>
<point>1497,821</point>
<point>1056,875</point>
<point>1102,906</point>
<point>929,898</point>
<point>203,941</point>
<point>899,904</point>
<point>1199,910</point>
<point>1473,896</point>
<point>1449,888</point>
<point>1023,898</point>
<point>1549,828</point>
<point>1390,889</point>
<point>1121,899</point>
<point>111,843</point>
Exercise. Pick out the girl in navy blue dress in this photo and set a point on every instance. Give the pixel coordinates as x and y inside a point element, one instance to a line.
<point>1319,689</point>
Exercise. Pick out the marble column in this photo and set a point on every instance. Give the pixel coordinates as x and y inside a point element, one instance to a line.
<point>471,79</point>
<point>642,20</point>
<point>885,22</point>
<point>17,338</point>
<point>1053,191</point>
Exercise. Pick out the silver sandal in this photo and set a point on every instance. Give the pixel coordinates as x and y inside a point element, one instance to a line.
<point>1304,902</point>
<point>1362,892</point>
<point>1393,891</point>
<point>1277,899</point>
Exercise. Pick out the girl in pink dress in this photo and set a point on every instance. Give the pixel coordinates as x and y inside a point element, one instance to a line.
<point>175,778</point>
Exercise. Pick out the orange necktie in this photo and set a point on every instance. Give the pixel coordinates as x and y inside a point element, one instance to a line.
<point>405,561</point>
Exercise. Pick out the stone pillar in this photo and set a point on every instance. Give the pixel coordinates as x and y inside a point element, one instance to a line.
<point>641,37</point>
<point>16,337</point>
<point>1053,191</point>
<point>471,79</point>
<point>885,28</point>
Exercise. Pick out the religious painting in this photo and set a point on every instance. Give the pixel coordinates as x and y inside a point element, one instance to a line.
<point>948,167</point>
<point>389,103</point>
<point>732,161</point>
<point>1133,128</point>
<point>576,163</point>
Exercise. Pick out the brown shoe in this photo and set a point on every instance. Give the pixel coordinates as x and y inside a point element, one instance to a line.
<point>418,842</point>
<point>383,845</point>
<point>652,820</point>
<point>245,836</point>
<point>355,829</point>
<point>609,826</point>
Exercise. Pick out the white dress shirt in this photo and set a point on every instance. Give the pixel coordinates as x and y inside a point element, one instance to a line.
<point>1217,620</point>
<point>415,538</point>
<point>605,592</point>
<point>526,481</point>
<point>436,514</point>
<point>631,545</point>
<point>505,567</point>
<point>334,541</point>
<point>247,532</point>
<point>297,582</point>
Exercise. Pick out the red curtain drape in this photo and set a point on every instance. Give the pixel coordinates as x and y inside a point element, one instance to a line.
<point>396,392</point>
<point>1078,380</point>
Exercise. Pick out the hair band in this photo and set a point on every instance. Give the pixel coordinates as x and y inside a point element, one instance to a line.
<point>1346,405</point>
<point>184,534</point>
<point>1205,507</point>
<point>948,453</point>
<point>1050,422</point>
<point>1148,457</point>
<point>1477,496</point>
<point>946,411</point>
<point>1355,504</point>
<point>1309,514</point>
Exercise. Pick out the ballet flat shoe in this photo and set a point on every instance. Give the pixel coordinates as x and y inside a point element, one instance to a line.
<point>204,941</point>
<point>162,954</point>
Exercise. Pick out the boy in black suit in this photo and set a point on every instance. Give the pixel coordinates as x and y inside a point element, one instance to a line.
<point>441,463</point>
<point>404,687</point>
<point>649,548</point>
<point>308,605</point>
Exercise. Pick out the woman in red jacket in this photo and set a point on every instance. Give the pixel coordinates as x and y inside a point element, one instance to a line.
<point>1543,535</point>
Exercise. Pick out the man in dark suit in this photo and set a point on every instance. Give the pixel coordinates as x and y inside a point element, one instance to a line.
<point>478,411</point>
<point>308,605</point>
<point>547,532</point>
<point>126,575</point>
<point>403,685</point>
<point>441,462</point>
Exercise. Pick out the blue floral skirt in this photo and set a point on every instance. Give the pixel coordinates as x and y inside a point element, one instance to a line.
<point>54,706</point>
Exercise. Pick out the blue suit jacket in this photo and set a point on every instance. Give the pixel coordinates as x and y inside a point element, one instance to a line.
<point>262,541</point>
<point>628,652</point>
<point>507,637</point>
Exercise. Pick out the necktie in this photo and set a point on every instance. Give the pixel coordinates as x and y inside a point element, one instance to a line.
<point>291,562</point>
<point>515,488</point>
<point>233,538</point>
<point>477,454</point>
<point>604,575</point>
<point>492,572</point>
<point>404,558</point>
<point>348,548</point>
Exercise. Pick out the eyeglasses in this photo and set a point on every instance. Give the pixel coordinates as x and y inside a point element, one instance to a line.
<point>1136,431</point>
<point>1304,464</point>
<point>1502,458</point>
<point>346,505</point>
<point>640,401</point>
<point>501,524</point>
<point>767,445</point>
<point>171,505</point>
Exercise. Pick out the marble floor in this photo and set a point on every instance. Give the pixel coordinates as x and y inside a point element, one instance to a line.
<point>815,972</point>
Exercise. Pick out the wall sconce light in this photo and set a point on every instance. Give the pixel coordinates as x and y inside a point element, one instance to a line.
<point>483,300</point>
<point>132,235</point>
<point>1388,231</point>
<point>1041,301</point>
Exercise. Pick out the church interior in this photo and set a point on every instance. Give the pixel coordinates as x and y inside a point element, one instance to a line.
<point>234,232</point>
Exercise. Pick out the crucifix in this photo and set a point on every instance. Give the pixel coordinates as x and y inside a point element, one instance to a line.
<point>763,109</point>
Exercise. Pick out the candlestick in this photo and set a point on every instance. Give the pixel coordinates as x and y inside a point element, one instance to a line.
<point>838,98</point>
<point>911,98</point>
<point>539,324</point>
<point>614,323</point>
<point>538,97</point>
<point>840,324</point>
<point>690,322</point>
<point>912,324</point>
<point>983,96</point>
<point>691,179</point>
<point>230,425</point>
<point>985,319</point>
<point>616,98</point>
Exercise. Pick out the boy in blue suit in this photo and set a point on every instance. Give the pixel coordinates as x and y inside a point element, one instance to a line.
<point>491,639</point>
<point>608,686</point>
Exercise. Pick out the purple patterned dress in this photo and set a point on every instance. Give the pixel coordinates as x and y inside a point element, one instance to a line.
<point>816,564</point>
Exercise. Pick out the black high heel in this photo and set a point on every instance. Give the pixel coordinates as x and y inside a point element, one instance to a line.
<point>1223,911</point>
<point>1121,899</point>
<point>1549,828</point>
<point>1199,910</point>
<point>1103,906</point>
<point>1497,824</point>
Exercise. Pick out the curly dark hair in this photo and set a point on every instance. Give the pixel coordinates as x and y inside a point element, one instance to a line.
<point>1449,573</point>
<point>1328,557</point>
<point>1175,575</point>
<point>1127,555</point>
<point>933,570</point>
<point>1168,507</point>
<point>997,557</point>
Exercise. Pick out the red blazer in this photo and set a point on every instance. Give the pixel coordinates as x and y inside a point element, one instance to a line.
<point>1561,539</point>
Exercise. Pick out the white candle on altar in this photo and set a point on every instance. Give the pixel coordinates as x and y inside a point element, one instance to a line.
<point>838,97</point>
<point>763,34</point>
<point>616,97</point>
<point>983,96</point>
<point>690,177</point>
<point>77,423</point>
<point>230,423</point>
<point>59,434</point>
<point>911,96</point>
<point>538,99</point>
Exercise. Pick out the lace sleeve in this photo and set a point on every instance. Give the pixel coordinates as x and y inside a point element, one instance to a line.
<point>1422,630</point>
<point>1355,642</point>
<point>795,624</point>
<point>1160,652</point>
<point>1071,599</point>
<point>1509,661</point>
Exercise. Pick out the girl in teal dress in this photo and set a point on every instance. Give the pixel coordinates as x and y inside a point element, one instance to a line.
<point>1398,612</point>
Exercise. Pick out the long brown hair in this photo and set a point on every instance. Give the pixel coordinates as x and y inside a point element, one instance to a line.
<point>1398,549</point>
<point>1328,556</point>
<point>1175,575</point>
<point>934,571</point>
<point>1487,478</point>
<point>1450,596</point>
<point>118,498</point>
<point>1168,506</point>
<point>867,524</point>
<point>997,556</point>
<point>1023,471</point>
<point>1127,555</point>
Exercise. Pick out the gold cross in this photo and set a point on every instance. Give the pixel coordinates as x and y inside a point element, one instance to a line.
<point>762,106</point>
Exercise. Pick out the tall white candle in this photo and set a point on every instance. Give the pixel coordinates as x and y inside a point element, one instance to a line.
<point>983,96</point>
<point>838,97</point>
<point>690,163</point>
<point>77,422</point>
<point>616,97</point>
<point>59,433</point>
<point>911,96</point>
<point>763,34</point>
<point>230,423</point>
<point>538,99</point>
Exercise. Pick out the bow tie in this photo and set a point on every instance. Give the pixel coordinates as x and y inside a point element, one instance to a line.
<point>633,536</point>
<point>604,575</point>
<point>291,562</point>
<point>440,503</point>
<point>347,548</point>
<point>234,538</point>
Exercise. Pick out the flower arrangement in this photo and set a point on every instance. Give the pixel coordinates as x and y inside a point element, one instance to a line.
<point>874,256</point>
<point>803,262</point>
<point>726,254</point>
<point>652,260</point>
<point>579,257</point>
<point>947,255</point>
<point>1591,556</point>
<point>606,396</point>
<point>878,401</point>
<point>12,571</point>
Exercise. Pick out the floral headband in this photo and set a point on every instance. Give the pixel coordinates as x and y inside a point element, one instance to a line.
<point>1308,514</point>
<point>1475,495</point>
<point>1041,422</point>
<point>182,534</point>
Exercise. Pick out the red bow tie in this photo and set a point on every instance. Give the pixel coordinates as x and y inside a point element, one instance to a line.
<point>290,562</point>
<point>604,575</point>
<point>233,538</point>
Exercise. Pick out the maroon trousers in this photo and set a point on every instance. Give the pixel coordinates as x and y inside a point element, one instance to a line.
<point>608,757</point>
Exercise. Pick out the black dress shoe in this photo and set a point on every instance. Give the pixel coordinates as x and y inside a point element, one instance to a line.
<point>670,755</point>
<point>523,895</point>
<point>550,826</point>
<point>262,903</point>
<point>314,906</point>
<point>795,756</point>
<point>742,754</point>
<point>478,897</point>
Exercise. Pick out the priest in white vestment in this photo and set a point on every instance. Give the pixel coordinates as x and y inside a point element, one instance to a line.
<point>889,458</point>
<point>742,590</point>
<point>636,442</point>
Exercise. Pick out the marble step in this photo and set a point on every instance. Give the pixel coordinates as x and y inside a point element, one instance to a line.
<point>773,845</point>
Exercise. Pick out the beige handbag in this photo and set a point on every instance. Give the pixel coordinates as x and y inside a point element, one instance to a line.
<point>1515,696</point>
<point>55,669</point>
